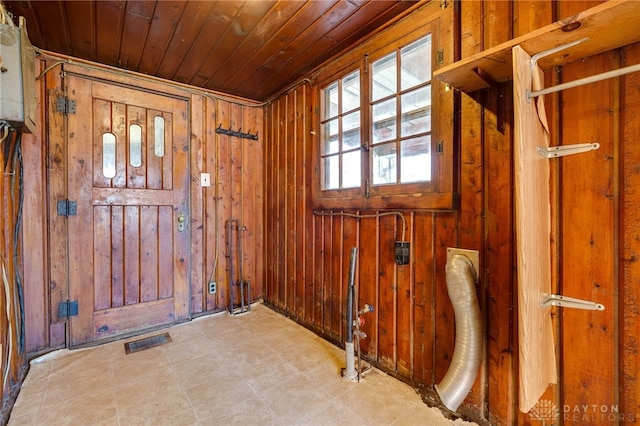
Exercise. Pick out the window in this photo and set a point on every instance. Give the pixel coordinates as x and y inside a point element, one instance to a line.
<point>109,155</point>
<point>135,145</point>
<point>341,143</point>
<point>158,130</point>
<point>385,127</point>
<point>401,142</point>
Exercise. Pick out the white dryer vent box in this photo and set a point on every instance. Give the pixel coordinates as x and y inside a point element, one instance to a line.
<point>17,78</point>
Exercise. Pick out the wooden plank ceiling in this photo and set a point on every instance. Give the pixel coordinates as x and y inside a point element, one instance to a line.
<point>251,48</point>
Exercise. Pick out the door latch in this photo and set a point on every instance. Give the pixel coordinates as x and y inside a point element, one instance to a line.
<point>181,221</point>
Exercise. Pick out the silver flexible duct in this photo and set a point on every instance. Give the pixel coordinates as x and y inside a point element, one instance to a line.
<point>467,353</point>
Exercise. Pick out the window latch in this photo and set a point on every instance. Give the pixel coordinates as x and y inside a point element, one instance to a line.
<point>364,147</point>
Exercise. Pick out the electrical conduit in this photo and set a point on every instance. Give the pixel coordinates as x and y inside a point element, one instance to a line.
<point>467,354</point>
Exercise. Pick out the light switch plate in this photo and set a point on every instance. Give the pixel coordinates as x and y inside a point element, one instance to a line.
<point>205,180</point>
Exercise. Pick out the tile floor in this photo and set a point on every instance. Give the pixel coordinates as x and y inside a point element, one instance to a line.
<point>258,368</point>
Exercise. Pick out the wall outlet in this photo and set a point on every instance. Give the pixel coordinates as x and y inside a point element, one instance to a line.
<point>212,287</point>
<point>402,252</point>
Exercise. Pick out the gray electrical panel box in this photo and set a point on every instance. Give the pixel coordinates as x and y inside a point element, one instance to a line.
<point>17,78</point>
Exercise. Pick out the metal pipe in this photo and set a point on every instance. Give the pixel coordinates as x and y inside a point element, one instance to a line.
<point>467,353</point>
<point>248,295</point>
<point>350,293</point>
<point>240,274</point>
<point>350,371</point>
<point>228,226</point>
<point>581,82</point>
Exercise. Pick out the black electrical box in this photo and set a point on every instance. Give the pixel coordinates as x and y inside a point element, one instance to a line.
<point>402,252</point>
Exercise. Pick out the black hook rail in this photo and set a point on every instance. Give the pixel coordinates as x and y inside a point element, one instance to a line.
<point>238,134</point>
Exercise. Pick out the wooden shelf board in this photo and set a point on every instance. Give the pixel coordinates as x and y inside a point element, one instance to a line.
<point>608,26</point>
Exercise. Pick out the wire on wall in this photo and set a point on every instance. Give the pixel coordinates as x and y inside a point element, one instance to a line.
<point>5,16</point>
<point>4,131</point>
<point>364,216</point>
<point>18,175</point>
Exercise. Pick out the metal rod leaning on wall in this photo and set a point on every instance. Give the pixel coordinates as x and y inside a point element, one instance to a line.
<point>236,279</point>
<point>349,371</point>
<point>228,226</point>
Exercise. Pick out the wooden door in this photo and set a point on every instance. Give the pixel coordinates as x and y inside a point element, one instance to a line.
<point>129,240</point>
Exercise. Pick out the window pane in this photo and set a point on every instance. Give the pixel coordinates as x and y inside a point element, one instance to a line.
<point>351,169</point>
<point>331,101</point>
<point>331,172</point>
<point>158,126</point>
<point>384,77</point>
<point>351,131</point>
<point>351,92</point>
<point>416,111</point>
<point>384,164</point>
<point>415,160</point>
<point>384,121</point>
<point>109,155</point>
<point>135,145</point>
<point>330,136</point>
<point>415,63</point>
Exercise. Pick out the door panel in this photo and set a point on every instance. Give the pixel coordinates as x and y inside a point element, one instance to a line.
<point>128,172</point>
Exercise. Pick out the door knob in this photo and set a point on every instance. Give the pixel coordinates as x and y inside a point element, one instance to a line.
<point>181,221</point>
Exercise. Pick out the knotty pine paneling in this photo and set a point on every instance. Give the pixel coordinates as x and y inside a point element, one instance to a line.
<point>629,268</point>
<point>236,192</point>
<point>472,170</point>
<point>588,237</point>
<point>20,328</point>
<point>298,261</point>
<point>589,183</point>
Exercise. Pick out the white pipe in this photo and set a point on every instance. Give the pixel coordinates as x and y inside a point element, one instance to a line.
<point>467,353</point>
<point>581,82</point>
<point>350,372</point>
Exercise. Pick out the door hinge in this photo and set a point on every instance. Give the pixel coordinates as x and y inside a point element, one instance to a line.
<point>65,105</point>
<point>67,208</point>
<point>440,147</point>
<point>68,308</point>
<point>440,56</point>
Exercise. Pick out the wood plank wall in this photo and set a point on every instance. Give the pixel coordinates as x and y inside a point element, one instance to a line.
<point>12,348</point>
<point>595,211</point>
<point>235,193</point>
<point>16,195</point>
<point>299,261</point>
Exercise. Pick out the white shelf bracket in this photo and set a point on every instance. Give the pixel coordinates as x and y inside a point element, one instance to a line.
<point>570,302</point>
<point>561,151</point>
<point>580,82</point>
<point>544,53</point>
<point>548,52</point>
